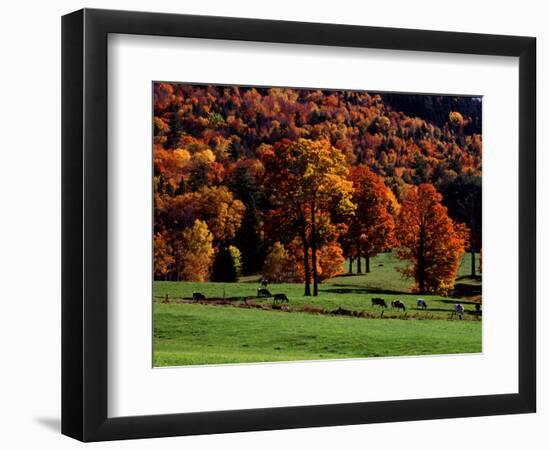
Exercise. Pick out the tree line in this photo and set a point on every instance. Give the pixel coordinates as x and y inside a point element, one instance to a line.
<point>290,182</point>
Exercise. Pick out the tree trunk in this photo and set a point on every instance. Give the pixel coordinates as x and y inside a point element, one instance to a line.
<point>314,268</point>
<point>472,254</point>
<point>421,264</point>
<point>350,270</point>
<point>176,274</point>
<point>472,240</point>
<point>473,261</point>
<point>421,278</point>
<point>307,272</point>
<point>358,249</point>
<point>367,263</point>
<point>314,254</point>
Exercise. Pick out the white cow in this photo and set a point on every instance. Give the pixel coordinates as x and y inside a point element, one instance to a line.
<point>421,303</point>
<point>458,309</point>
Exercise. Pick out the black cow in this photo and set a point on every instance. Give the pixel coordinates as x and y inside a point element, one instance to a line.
<point>376,301</point>
<point>478,309</point>
<point>397,304</point>
<point>421,304</point>
<point>264,282</point>
<point>280,298</point>
<point>263,292</point>
<point>198,296</point>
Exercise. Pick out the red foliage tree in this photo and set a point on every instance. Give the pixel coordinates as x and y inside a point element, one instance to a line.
<point>429,240</point>
<point>372,227</point>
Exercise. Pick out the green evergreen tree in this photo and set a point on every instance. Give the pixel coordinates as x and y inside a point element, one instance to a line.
<point>224,267</point>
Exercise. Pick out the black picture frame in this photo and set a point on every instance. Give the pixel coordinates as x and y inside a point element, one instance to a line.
<point>84,224</point>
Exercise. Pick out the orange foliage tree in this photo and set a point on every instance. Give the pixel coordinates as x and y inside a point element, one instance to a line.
<point>216,206</point>
<point>372,227</point>
<point>164,260</point>
<point>331,260</point>
<point>429,240</point>
<point>286,264</point>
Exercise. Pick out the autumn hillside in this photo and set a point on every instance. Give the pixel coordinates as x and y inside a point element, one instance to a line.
<point>287,183</point>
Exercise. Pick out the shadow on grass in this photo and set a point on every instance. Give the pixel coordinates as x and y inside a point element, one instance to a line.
<point>460,292</point>
<point>442,310</point>
<point>461,301</point>
<point>346,289</point>
<point>469,277</point>
<point>466,290</point>
<point>348,275</point>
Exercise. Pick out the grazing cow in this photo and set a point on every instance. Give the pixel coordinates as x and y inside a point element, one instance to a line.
<point>264,282</point>
<point>458,310</point>
<point>376,301</point>
<point>478,309</point>
<point>198,296</point>
<point>421,304</point>
<point>263,292</point>
<point>397,304</point>
<point>280,298</point>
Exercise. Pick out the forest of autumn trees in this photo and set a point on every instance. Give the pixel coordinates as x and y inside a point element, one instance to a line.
<point>287,183</point>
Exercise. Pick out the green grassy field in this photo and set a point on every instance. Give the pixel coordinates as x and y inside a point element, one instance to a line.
<point>187,334</point>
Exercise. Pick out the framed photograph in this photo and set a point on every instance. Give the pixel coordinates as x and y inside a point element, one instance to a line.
<point>273,225</point>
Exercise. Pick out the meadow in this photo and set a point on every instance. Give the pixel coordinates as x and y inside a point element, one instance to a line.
<point>188,333</point>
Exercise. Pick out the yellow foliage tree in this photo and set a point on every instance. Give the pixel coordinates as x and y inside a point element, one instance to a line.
<point>195,252</point>
<point>307,178</point>
<point>278,264</point>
